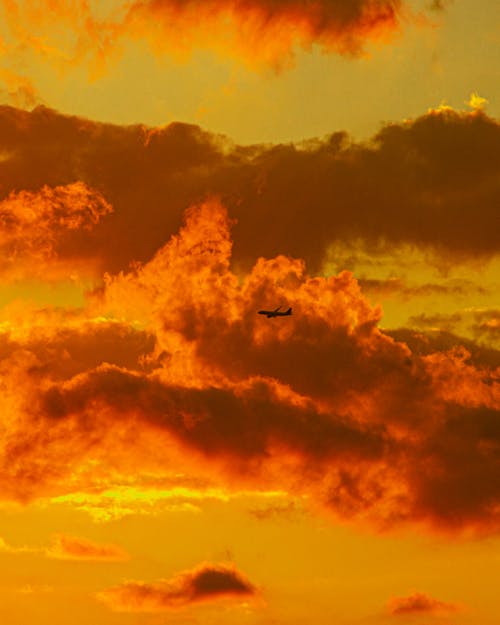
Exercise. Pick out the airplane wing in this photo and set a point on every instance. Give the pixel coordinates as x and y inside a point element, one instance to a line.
<point>275,312</point>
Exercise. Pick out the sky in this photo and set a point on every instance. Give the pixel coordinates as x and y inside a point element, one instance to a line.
<point>168,168</point>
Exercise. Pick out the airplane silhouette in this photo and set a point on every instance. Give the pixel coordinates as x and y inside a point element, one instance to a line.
<point>275,313</point>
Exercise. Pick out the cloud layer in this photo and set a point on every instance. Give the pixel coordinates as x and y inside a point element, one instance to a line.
<point>321,403</point>
<point>256,31</point>
<point>207,582</point>
<point>430,183</point>
<point>65,547</point>
<point>75,548</point>
<point>264,30</point>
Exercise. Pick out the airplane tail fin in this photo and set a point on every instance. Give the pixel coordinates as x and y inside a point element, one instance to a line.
<point>288,312</point>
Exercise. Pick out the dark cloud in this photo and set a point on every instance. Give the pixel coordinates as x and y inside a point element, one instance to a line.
<point>445,321</point>
<point>242,423</point>
<point>483,324</point>
<point>458,467</point>
<point>427,342</point>
<point>419,603</point>
<point>207,582</point>
<point>289,199</point>
<point>61,350</point>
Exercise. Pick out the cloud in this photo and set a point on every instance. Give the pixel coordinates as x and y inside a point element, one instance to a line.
<point>433,340</point>
<point>288,510</point>
<point>74,548</point>
<point>446,321</point>
<point>7,548</point>
<point>19,90</point>
<point>262,29</point>
<point>38,229</point>
<point>142,496</point>
<point>439,5</point>
<point>477,102</point>
<point>256,31</point>
<point>398,287</point>
<point>486,325</point>
<point>419,603</point>
<point>481,323</point>
<point>59,346</point>
<point>87,39</point>
<point>322,403</point>
<point>299,200</point>
<point>207,582</point>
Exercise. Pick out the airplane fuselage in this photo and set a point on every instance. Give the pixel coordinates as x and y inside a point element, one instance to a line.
<point>275,313</point>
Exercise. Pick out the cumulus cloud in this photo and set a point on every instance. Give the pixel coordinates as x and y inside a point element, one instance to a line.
<point>321,403</point>
<point>38,229</point>
<point>419,603</point>
<point>207,582</point>
<point>299,200</point>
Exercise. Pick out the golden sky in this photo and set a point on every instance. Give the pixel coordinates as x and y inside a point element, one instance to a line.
<point>167,169</point>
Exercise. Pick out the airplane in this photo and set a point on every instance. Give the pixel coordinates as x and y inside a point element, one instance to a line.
<point>275,313</point>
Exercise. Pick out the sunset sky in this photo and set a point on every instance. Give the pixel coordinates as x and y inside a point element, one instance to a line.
<point>167,169</point>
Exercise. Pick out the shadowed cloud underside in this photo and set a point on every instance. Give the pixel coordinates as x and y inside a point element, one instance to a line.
<point>430,183</point>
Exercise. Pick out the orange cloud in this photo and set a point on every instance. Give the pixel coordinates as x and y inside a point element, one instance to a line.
<point>37,229</point>
<point>262,30</point>
<point>298,200</point>
<point>207,582</point>
<point>423,343</point>
<point>419,603</point>
<point>73,548</point>
<point>65,33</point>
<point>257,31</point>
<point>321,403</point>
<point>19,90</point>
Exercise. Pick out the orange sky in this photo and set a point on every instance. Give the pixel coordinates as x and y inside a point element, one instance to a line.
<point>167,169</point>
